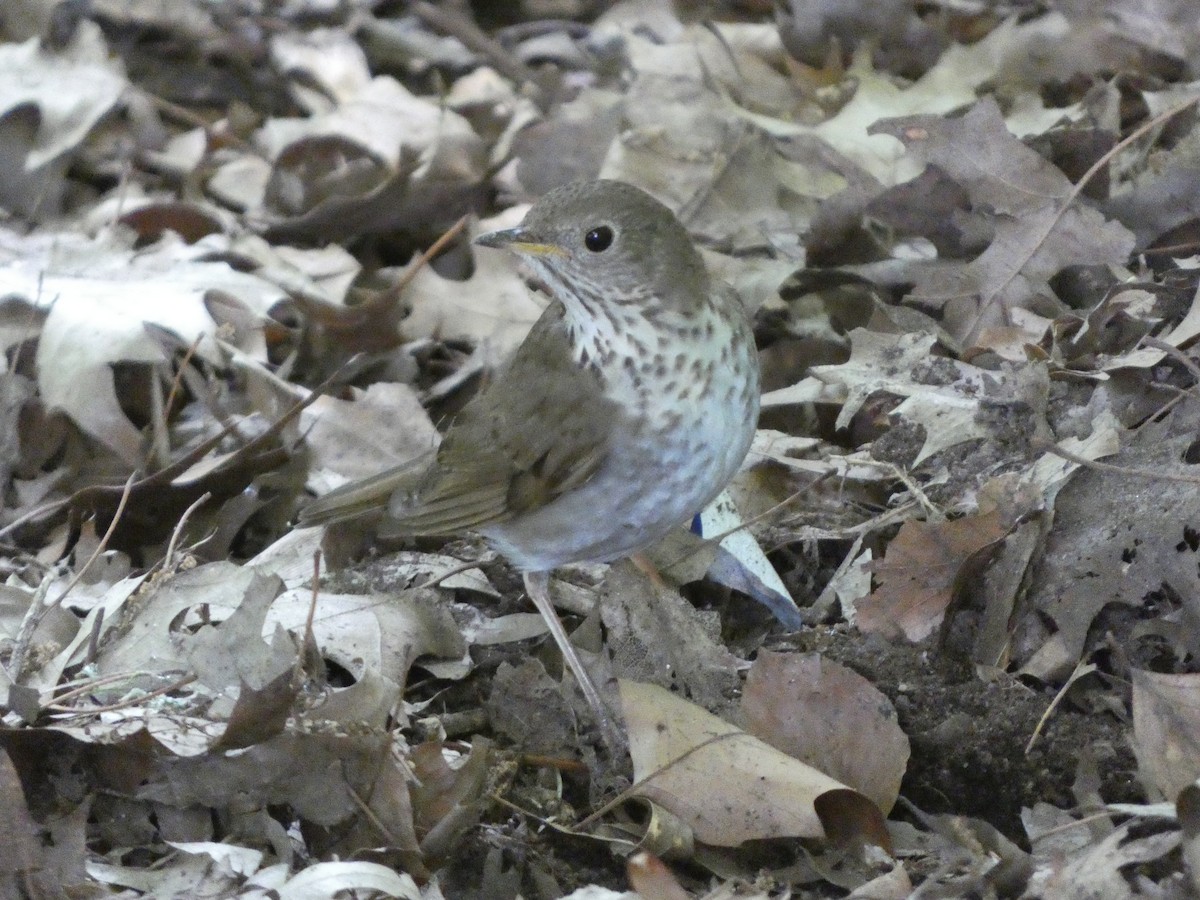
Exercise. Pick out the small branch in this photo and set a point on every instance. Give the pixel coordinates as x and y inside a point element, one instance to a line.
<point>125,704</point>
<point>1081,669</point>
<point>177,381</point>
<point>187,514</point>
<point>1116,470</point>
<point>38,609</point>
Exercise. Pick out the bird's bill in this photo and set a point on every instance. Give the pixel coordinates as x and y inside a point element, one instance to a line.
<point>520,240</point>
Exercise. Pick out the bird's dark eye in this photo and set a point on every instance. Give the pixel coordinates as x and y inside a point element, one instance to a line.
<point>598,239</point>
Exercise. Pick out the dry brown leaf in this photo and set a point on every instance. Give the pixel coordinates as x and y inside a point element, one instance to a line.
<point>654,634</point>
<point>447,800</point>
<point>1116,542</point>
<point>1166,730</point>
<point>829,717</point>
<point>949,399</point>
<point>336,769</point>
<point>893,885</point>
<point>1039,228</point>
<point>382,633</point>
<point>924,567</point>
<point>1096,870</point>
<point>762,793</point>
<point>493,307</point>
<point>146,638</point>
<point>20,844</point>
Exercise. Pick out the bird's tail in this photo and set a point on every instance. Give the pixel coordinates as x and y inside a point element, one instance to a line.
<point>366,496</point>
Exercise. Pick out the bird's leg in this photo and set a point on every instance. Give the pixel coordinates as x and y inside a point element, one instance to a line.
<point>537,584</point>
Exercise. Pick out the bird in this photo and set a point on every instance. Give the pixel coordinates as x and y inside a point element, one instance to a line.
<point>628,407</point>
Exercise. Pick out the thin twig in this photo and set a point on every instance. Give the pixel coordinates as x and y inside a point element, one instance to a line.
<point>931,511</point>
<point>461,27</point>
<point>878,521</point>
<point>379,314</point>
<point>1109,467</point>
<point>187,117</point>
<point>177,381</point>
<point>38,609</point>
<point>309,643</point>
<point>100,547</point>
<point>187,513</point>
<point>93,647</point>
<point>46,509</point>
<point>91,684</point>
<point>1081,669</point>
<point>430,253</point>
<point>29,624</point>
<point>166,475</point>
<point>384,831</point>
<point>387,298</point>
<point>125,704</point>
<point>717,538</point>
<point>449,573</point>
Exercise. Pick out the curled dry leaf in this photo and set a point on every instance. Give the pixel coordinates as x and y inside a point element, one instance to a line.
<point>762,793</point>
<point>829,717</point>
<point>330,879</point>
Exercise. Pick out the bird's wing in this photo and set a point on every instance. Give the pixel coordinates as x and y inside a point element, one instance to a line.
<point>517,446</point>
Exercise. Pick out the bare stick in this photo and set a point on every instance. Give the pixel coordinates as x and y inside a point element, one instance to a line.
<point>37,609</point>
<point>1116,470</point>
<point>199,501</point>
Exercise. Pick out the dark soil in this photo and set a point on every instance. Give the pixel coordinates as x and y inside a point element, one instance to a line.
<point>969,736</point>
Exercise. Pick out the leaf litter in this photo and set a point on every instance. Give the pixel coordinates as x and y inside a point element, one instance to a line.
<point>233,279</point>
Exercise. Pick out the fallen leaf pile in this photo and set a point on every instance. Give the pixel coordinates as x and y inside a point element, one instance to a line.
<point>942,636</point>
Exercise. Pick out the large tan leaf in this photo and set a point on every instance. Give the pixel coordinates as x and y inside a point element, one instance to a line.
<point>678,748</point>
<point>100,295</point>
